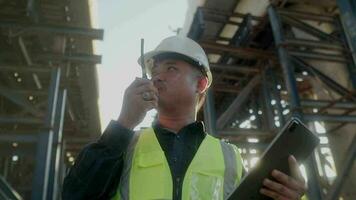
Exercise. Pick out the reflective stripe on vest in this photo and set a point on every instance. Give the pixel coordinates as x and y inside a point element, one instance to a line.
<point>146,174</point>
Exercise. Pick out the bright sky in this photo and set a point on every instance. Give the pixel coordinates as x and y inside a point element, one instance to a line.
<point>125,22</point>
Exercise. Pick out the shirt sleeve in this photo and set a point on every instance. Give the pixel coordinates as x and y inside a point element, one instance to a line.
<point>99,165</point>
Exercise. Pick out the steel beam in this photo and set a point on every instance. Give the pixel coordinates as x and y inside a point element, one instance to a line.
<point>40,106</point>
<point>277,96</point>
<point>327,80</point>
<point>78,57</point>
<point>16,68</point>
<point>330,118</point>
<point>309,29</point>
<point>240,38</point>
<point>229,14</point>
<point>235,106</point>
<point>306,15</point>
<point>241,52</point>
<point>287,67</point>
<point>254,106</point>
<point>209,113</point>
<point>86,58</point>
<point>313,44</point>
<point>319,56</point>
<point>29,92</point>
<point>29,61</point>
<point>226,88</point>
<point>324,3</point>
<point>53,186</point>
<point>348,24</point>
<point>267,111</point>
<point>242,34</point>
<point>62,171</point>
<point>221,21</point>
<point>324,103</point>
<point>20,120</point>
<point>315,191</point>
<point>198,25</point>
<point>235,68</point>
<point>223,76</point>
<point>33,10</point>
<point>24,51</point>
<point>348,163</point>
<point>45,142</point>
<point>25,150</point>
<point>19,100</point>
<point>18,137</point>
<point>40,28</point>
<point>6,166</point>
<point>351,66</point>
<point>7,192</point>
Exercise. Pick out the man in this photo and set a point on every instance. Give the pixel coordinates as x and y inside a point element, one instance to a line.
<point>175,158</point>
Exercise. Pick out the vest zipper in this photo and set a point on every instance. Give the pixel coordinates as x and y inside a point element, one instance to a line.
<point>177,187</point>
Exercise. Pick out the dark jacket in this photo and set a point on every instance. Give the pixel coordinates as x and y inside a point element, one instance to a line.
<point>97,170</point>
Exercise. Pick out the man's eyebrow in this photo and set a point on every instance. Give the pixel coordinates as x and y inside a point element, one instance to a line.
<point>170,62</point>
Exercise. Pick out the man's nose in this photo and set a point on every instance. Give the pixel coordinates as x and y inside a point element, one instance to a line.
<point>158,77</point>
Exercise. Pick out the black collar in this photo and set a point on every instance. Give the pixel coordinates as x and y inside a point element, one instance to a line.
<point>195,127</point>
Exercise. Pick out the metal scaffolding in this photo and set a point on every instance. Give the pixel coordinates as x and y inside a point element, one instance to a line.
<point>48,93</point>
<point>264,73</point>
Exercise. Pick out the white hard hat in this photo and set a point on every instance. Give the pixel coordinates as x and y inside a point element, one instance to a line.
<point>183,46</point>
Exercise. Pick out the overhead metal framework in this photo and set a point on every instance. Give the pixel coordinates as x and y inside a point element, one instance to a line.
<point>296,58</point>
<point>48,92</point>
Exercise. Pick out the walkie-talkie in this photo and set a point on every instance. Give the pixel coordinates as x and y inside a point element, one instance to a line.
<point>143,66</point>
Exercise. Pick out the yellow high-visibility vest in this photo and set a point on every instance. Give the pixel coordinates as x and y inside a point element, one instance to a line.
<point>213,173</point>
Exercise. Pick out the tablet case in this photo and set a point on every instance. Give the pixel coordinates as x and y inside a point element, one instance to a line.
<point>294,139</point>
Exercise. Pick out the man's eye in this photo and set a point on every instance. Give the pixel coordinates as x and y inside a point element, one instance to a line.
<point>170,68</point>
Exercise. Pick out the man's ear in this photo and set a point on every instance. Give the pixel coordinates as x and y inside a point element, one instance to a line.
<point>202,84</point>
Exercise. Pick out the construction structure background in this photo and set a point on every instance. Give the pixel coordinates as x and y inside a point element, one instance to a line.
<point>271,59</point>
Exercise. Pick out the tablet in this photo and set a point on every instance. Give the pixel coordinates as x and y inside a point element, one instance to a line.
<point>293,139</point>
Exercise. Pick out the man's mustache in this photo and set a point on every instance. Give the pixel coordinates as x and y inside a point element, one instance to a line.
<point>159,84</point>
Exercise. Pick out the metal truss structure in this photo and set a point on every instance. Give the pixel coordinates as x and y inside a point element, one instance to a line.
<point>48,92</point>
<point>269,68</point>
